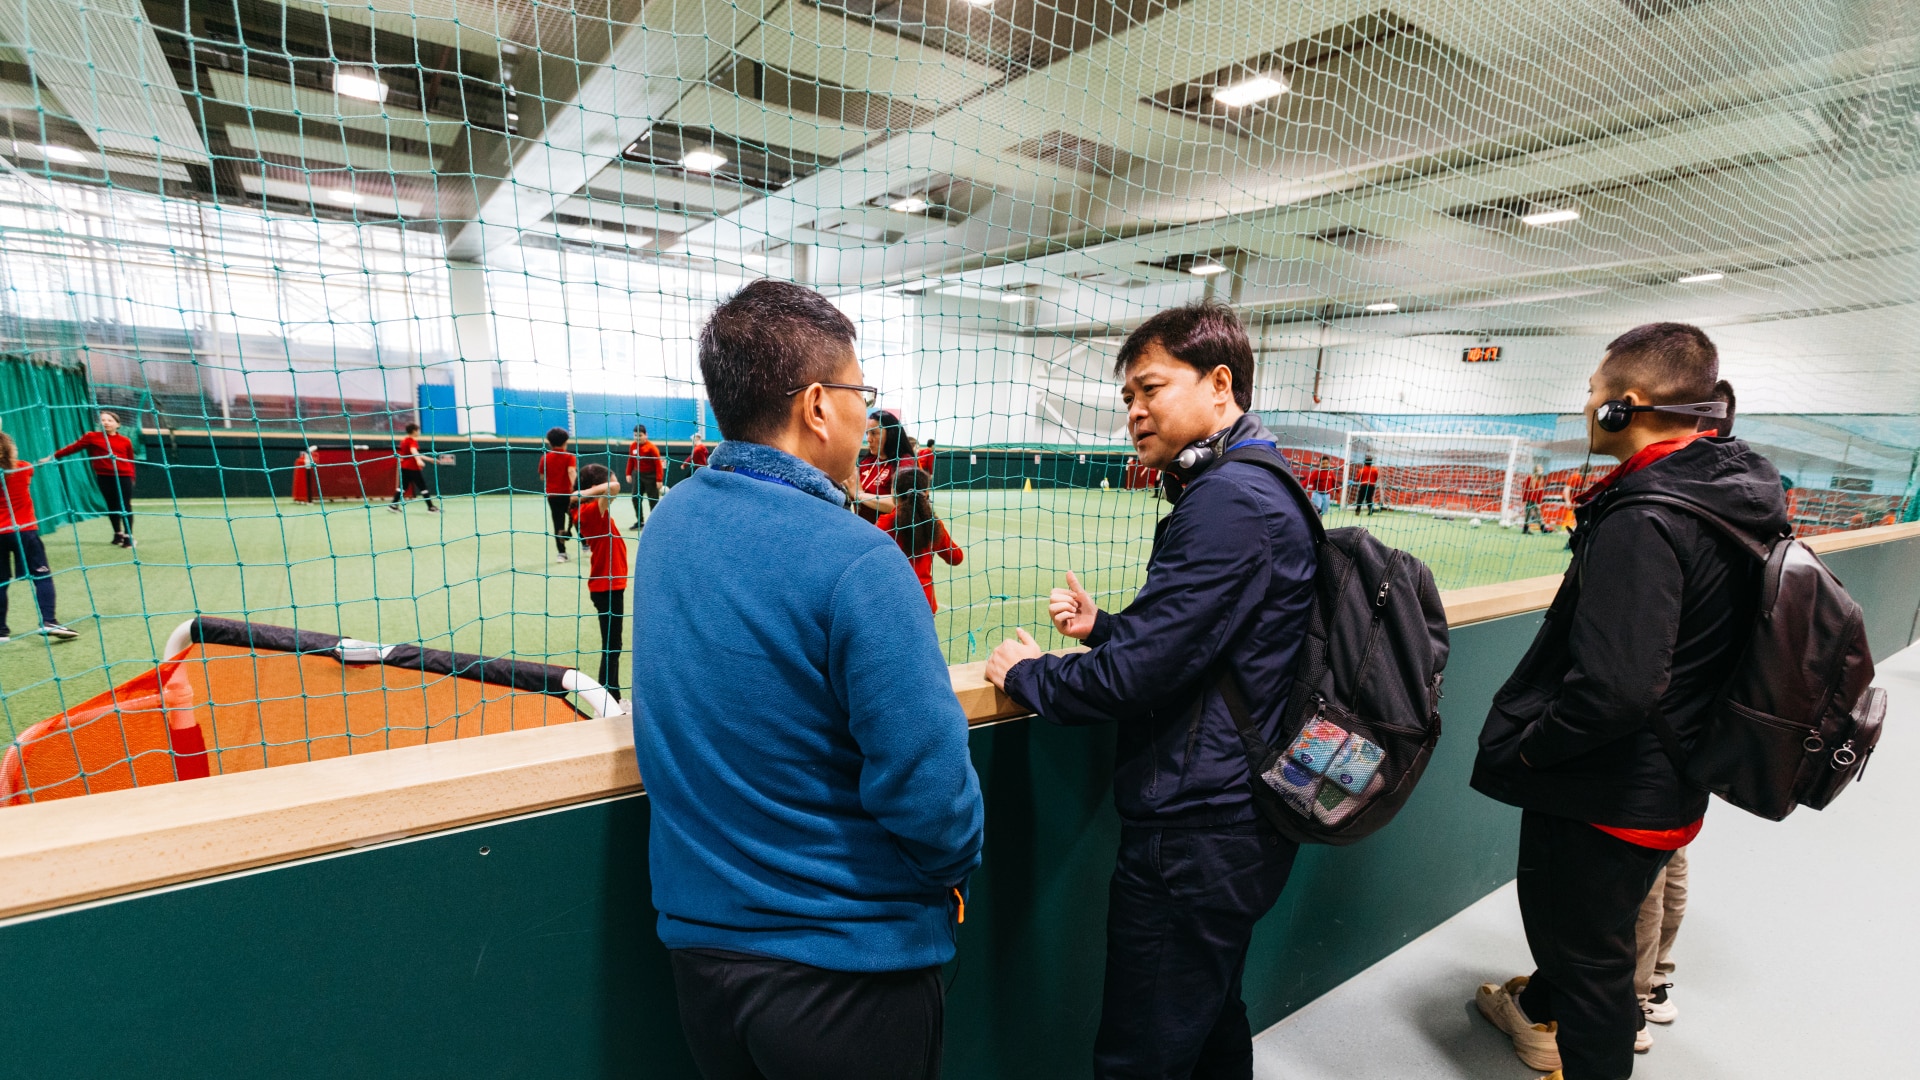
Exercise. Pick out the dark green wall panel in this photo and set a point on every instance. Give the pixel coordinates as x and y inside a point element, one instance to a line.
<point>428,959</point>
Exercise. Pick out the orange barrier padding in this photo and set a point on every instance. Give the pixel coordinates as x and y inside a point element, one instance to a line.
<point>263,709</point>
<point>139,733</point>
<point>227,708</point>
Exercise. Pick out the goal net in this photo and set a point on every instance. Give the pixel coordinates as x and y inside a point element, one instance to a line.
<point>1445,474</point>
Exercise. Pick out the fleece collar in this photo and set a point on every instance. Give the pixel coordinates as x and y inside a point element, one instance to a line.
<point>763,462</point>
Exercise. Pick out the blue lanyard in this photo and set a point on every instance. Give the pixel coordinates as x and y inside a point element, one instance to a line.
<point>1252,442</point>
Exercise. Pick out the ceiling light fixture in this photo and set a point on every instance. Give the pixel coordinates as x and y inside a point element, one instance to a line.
<point>1383,307</point>
<point>66,155</point>
<point>981,3</point>
<point>1696,279</point>
<point>1551,217</point>
<point>1013,298</point>
<point>1206,268</point>
<point>910,205</point>
<point>702,161</point>
<point>364,85</point>
<point>1250,90</point>
<point>345,197</point>
<point>591,234</point>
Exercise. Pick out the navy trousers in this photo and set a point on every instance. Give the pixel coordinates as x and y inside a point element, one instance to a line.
<point>1180,914</point>
<point>22,555</point>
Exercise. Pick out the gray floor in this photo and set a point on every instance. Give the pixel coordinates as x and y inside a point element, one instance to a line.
<point>1797,961</point>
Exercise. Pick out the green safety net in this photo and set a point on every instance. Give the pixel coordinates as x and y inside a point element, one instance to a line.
<point>275,234</point>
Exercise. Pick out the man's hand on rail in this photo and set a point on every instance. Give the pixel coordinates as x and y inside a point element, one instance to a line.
<point>1010,653</point>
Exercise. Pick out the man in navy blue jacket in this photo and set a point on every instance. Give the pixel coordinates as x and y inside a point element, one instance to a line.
<point>814,811</point>
<point>1227,594</point>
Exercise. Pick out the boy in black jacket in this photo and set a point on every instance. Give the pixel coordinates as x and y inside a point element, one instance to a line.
<point>1228,590</point>
<point>1647,624</point>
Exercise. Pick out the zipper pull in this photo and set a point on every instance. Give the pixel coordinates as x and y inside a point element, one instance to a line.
<point>962,901</point>
<point>1380,599</point>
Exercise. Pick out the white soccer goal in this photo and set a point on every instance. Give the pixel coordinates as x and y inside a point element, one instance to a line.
<point>1446,474</point>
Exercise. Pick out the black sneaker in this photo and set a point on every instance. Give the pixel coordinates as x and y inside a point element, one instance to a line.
<point>432,509</point>
<point>58,632</point>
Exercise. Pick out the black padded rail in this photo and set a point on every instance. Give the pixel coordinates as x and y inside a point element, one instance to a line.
<point>519,674</point>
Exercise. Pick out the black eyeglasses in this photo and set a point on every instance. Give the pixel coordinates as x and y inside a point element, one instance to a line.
<point>872,393</point>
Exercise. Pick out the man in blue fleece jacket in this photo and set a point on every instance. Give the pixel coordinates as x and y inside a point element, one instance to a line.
<point>814,810</point>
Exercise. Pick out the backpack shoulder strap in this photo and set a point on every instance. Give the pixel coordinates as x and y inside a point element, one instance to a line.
<point>1271,461</point>
<point>1749,543</point>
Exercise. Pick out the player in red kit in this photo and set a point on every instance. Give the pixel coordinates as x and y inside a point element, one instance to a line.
<point>559,469</point>
<point>22,555</point>
<point>646,469</point>
<point>606,567</point>
<point>111,455</point>
<point>413,472</point>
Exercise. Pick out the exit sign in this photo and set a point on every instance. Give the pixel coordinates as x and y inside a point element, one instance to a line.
<point>1480,354</point>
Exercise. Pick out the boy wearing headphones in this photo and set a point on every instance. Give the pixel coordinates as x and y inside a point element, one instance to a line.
<point>1646,626</point>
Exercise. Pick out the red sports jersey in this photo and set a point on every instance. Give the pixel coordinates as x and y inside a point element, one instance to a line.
<point>1322,480</point>
<point>1535,490</point>
<point>942,546</point>
<point>644,458</point>
<point>1368,474</point>
<point>409,453</point>
<point>16,500</point>
<point>699,455</point>
<point>109,454</point>
<point>606,549</point>
<point>876,476</point>
<point>554,465</point>
<point>924,457</point>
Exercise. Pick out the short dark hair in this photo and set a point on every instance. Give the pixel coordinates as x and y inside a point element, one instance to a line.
<point>639,429</point>
<point>557,437</point>
<point>1203,336</point>
<point>1675,363</point>
<point>410,429</point>
<point>762,342</point>
<point>1723,427</point>
<point>593,474</point>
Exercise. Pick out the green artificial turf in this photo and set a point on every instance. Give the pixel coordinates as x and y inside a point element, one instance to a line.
<point>481,577</point>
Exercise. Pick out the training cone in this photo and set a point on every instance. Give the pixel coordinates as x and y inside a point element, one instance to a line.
<point>1029,486</point>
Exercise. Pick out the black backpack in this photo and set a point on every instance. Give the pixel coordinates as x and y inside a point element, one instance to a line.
<point>1797,719</point>
<point>1363,716</point>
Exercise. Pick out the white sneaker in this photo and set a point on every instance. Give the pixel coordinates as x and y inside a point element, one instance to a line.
<point>1643,1040</point>
<point>1659,1008</point>
<point>59,632</point>
<point>1537,1045</point>
<point>563,558</point>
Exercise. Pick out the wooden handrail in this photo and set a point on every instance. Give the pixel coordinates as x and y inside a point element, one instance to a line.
<point>73,850</point>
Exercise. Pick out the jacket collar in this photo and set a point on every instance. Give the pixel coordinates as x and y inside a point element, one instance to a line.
<point>1644,457</point>
<point>763,462</point>
<point>1246,429</point>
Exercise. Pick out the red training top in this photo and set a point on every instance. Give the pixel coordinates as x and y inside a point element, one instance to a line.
<point>606,549</point>
<point>16,500</point>
<point>876,476</point>
<point>1534,492</point>
<point>410,453</point>
<point>1322,479</point>
<point>699,455</point>
<point>554,465</point>
<point>110,453</point>
<point>645,457</point>
<point>924,458</point>
<point>1368,474</point>
<point>1657,839</point>
<point>942,546</point>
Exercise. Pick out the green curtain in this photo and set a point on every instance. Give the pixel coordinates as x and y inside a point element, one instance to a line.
<point>45,405</point>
